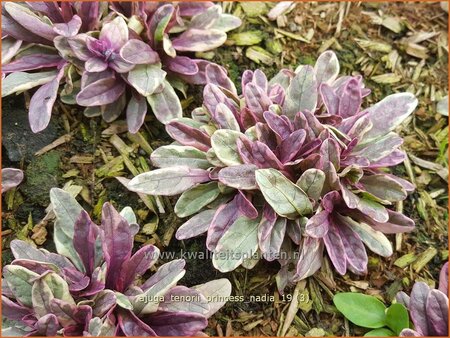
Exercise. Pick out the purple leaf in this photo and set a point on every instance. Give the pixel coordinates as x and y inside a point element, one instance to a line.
<point>11,178</point>
<point>47,325</point>
<point>32,62</point>
<point>351,99</point>
<point>137,52</point>
<point>132,326</point>
<point>417,307</point>
<point>197,40</point>
<point>443,279</point>
<point>41,103</point>
<point>85,234</point>
<point>318,225</point>
<point>182,65</point>
<point>335,248</point>
<point>194,8</point>
<point>279,124</point>
<point>137,265</point>
<point>115,33</point>
<point>117,242</point>
<point>256,99</point>
<point>188,136</point>
<point>437,313</point>
<point>70,28</point>
<point>101,92</point>
<point>13,29</point>
<point>355,251</point>
<point>410,333</point>
<point>329,98</point>
<point>196,226</point>
<point>310,258</point>
<point>292,145</point>
<point>217,75</point>
<point>245,206</point>
<point>271,245</point>
<point>136,111</point>
<point>223,218</point>
<point>183,324</point>
<point>239,176</point>
<point>12,310</point>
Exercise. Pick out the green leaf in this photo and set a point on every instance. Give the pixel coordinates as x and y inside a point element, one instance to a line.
<point>20,281</point>
<point>383,332</point>
<point>362,310</point>
<point>239,242</point>
<point>194,199</point>
<point>397,318</point>
<point>21,81</point>
<point>311,182</point>
<point>223,142</point>
<point>172,155</point>
<point>146,78</point>
<point>123,301</point>
<point>286,198</point>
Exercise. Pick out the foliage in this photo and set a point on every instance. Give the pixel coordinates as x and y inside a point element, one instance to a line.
<point>428,308</point>
<point>288,167</point>
<point>110,57</point>
<point>11,178</point>
<point>367,311</point>
<point>95,286</point>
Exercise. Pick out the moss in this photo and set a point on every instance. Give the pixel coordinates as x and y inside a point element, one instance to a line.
<point>41,175</point>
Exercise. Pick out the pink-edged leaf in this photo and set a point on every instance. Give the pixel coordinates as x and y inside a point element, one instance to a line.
<point>165,105</point>
<point>182,65</point>
<point>408,186</point>
<point>318,225</point>
<point>397,223</point>
<point>225,215</point>
<point>194,8</point>
<point>183,299</point>
<point>239,176</point>
<point>327,67</point>
<point>136,111</point>
<point>77,280</point>
<point>417,307</point>
<point>137,52</point>
<point>117,242</point>
<point>217,75</point>
<point>410,333</point>
<point>271,245</point>
<point>132,326</point>
<point>167,274</point>
<point>291,145</point>
<point>378,149</point>
<point>263,157</point>
<point>245,206</point>
<point>101,92</point>
<point>256,99</point>
<point>266,224</point>
<point>188,135</point>
<point>351,99</point>
<point>294,231</point>
<point>182,324</point>
<point>330,152</point>
<point>85,234</point>
<point>279,124</point>
<point>137,265</point>
<point>168,181</point>
<point>103,302</point>
<point>13,29</point>
<point>355,251</point>
<point>196,225</point>
<point>310,258</point>
<point>198,40</point>
<point>70,28</point>
<point>402,298</point>
<point>383,187</point>
<point>11,178</point>
<point>335,248</point>
<point>225,117</point>
<point>443,279</point>
<point>437,313</point>
<point>41,103</point>
<point>32,62</point>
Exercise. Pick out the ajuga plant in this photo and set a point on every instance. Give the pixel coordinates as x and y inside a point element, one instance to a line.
<point>110,57</point>
<point>95,286</point>
<point>288,167</point>
<point>428,308</point>
<point>11,178</point>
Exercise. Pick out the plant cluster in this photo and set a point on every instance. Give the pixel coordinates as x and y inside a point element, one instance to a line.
<point>288,167</point>
<point>95,286</point>
<point>109,57</point>
<point>427,308</point>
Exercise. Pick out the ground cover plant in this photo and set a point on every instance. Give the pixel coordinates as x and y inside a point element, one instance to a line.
<point>109,57</point>
<point>94,286</point>
<point>296,163</point>
<point>395,47</point>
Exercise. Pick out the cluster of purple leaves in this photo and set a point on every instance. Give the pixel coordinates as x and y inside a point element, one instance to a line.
<point>94,285</point>
<point>290,166</point>
<point>11,178</point>
<point>111,57</point>
<point>428,308</point>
